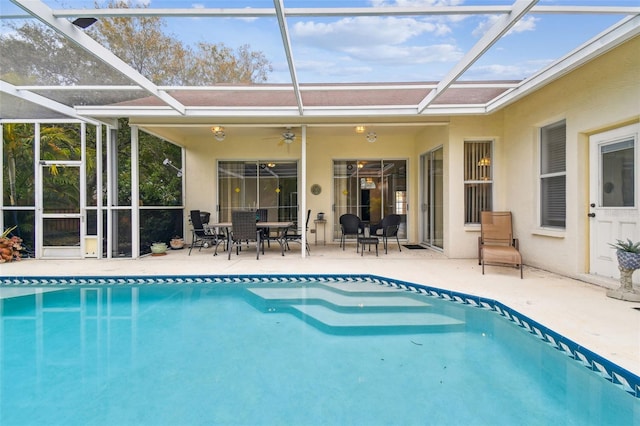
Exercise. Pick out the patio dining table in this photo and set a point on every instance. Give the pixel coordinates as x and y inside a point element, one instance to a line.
<point>280,226</point>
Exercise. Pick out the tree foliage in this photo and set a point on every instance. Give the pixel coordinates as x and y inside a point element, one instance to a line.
<point>34,53</point>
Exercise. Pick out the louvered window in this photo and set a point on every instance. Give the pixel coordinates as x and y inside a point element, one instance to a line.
<point>553,175</point>
<point>478,179</point>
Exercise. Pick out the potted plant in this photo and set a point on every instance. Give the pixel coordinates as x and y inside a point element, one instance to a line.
<point>10,247</point>
<point>158,249</point>
<point>628,253</point>
<point>176,243</point>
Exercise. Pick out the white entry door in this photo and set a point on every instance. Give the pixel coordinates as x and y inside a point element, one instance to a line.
<point>614,196</point>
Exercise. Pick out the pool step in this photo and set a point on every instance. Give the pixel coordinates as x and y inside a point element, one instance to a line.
<point>289,295</point>
<point>337,312</point>
<point>337,322</point>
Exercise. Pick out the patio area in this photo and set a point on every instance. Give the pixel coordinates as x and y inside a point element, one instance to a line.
<point>576,309</point>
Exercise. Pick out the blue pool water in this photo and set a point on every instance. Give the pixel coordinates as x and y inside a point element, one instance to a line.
<point>352,353</point>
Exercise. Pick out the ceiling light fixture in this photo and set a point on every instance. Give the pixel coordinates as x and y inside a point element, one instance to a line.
<point>359,129</point>
<point>288,136</point>
<point>372,137</point>
<point>484,161</point>
<point>218,133</point>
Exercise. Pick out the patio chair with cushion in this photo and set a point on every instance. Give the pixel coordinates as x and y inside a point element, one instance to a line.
<point>350,224</point>
<point>496,244</point>
<point>388,227</point>
<point>244,229</point>
<point>201,237</point>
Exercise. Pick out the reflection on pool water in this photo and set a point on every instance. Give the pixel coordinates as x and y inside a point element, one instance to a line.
<point>289,351</point>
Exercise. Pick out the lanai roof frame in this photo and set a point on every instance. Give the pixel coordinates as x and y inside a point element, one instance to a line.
<point>59,19</point>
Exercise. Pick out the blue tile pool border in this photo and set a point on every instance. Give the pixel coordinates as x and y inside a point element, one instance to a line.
<point>617,375</point>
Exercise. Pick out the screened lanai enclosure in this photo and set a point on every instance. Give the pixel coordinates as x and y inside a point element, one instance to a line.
<point>118,117</point>
<point>67,189</point>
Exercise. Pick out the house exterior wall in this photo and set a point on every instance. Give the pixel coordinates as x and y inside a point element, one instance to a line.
<point>323,150</point>
<point>600,95</point>
<point>201,159</point>
<point>603,94</point>
<point>461,241</point>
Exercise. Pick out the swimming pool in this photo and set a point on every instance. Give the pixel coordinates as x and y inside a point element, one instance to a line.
<point>290,350</point>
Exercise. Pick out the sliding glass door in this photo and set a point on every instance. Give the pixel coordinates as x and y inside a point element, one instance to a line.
<point>249,185</point>
<point>432,198</point>
<point>370,189</point>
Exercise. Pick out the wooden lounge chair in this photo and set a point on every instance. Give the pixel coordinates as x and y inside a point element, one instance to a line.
<point>496,245</point>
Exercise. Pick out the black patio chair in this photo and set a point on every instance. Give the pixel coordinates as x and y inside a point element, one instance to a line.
<point>201,237</point>
<point>387,228</point>
<point>263,216</point>
<point>244,229</point>
<point>296,234</point>
<point>350,224</point>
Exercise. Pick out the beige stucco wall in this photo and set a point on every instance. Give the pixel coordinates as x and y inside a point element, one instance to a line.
<point>202,155</point>
<point>460,239</point>
<point>603,94</point>
<point>323,147</point>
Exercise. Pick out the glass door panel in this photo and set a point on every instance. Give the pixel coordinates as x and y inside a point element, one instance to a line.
<point>236,187</point>
<point>370,189</point>
<point>271,185</point>
<point>61,218</point>
<point>60,189</point>
<point>61,232</point>
<point>394,192</point>
<point>433,196</point>
<point>346,190</point>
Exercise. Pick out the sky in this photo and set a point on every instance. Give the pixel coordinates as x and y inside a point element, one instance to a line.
<point>384,49</point>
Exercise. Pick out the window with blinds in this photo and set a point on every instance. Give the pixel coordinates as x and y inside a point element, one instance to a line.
<point>553,200</point>
<point>478,179</point>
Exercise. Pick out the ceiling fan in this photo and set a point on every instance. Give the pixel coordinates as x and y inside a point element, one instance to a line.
<point>288,137</point>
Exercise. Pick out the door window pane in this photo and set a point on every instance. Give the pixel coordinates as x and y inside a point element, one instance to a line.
<point>60,142</point>
<point>618,174</point>
<point>61,189</point>
<point>61,232</point>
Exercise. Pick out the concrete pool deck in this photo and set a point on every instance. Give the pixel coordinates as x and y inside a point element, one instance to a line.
<point>574,308</point>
